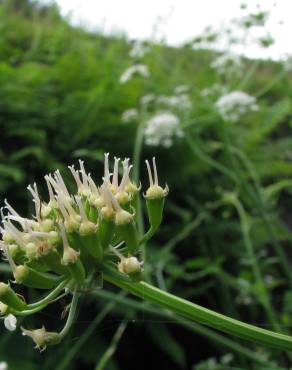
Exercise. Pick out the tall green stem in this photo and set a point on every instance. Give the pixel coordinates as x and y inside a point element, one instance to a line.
<point>198,313</point>
<point>261,289</point>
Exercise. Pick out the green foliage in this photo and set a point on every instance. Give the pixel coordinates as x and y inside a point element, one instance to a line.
<point>228,213</point>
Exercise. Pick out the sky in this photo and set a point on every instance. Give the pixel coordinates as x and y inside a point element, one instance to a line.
<point>178,21</point>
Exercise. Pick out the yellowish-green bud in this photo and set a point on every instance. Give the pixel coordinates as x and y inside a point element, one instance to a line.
<point>31,251</point>
<point>54,237</point>
<point>7,238</point>
<point>20,273</point>
<point>131,188</point>
<point>123,218</point>
<point>70,256</point>
<point>130,265</point>
<point>156,192</point>
<point>71,225</point>
<point>41,337</point>
<point>123,197</point>
<point>13,249</point>
<point>87,228</point>
<point>108,213</point>
<point>46,210</point>
<point>47,225</point>
<point>3,309</point>
<point>26,237</point>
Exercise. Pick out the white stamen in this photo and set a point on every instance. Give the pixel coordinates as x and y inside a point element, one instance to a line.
<point>92,185</point>
<point>64,237</point>
<point>106,168</point>
<point>149,173</point>
<point>10,209</point>
<point>81,209</point>
<point>36,200</point>
<point>116,172</point>
<point>50,190</point>
<point>60,183</point>
<point>62,208</point>
<point>83,173</point>
<point>125,179</point>
<point>155,171</point>
<point>14,232</point>
<point>76,176</point>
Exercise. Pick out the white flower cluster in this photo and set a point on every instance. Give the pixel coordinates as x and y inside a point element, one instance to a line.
<point>146,99</point>
<point>227,63</point>
<point>136,69</point>
<point>162,128</point>
<point>233,105</point>
<point>214,90</point>
<point>181,89</point>
<point>139,49</point>
<point>181,101</point>
<point>130,115</point>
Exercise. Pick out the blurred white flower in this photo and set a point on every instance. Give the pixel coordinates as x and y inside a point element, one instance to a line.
<point>227,63</point>
<point>287,63</point>
<point>3,365</point>
<point>161,129</point>
<point>136,69</point>
<point>130,115</point>
<point>146,99</point>
<point>10,322</point>
<point>182,102</point>
<point>233,105</point>
<point>214,90</point>
<point>181,89</point>
<point>139,49</point>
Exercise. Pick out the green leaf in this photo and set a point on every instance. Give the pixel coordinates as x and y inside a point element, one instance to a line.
<point>164,340</point>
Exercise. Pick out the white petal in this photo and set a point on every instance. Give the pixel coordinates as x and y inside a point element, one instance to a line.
<point>3,365</point>
<point>10,322</point>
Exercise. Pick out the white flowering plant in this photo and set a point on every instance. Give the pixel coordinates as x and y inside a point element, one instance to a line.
<point>73,238</point>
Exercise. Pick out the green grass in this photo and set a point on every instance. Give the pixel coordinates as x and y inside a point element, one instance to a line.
<point>225,241</point>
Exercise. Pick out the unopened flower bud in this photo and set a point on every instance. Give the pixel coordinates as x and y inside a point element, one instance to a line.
<point>31,251</point>
<point>41,337</point>
<point>70,256</point>
<point>3,309</point>
<point>87,228</point>
<point>54,238</point>
<point>123,217</point>
<point>10,322</point>
<point>20,273</point>
<point>13,249</point>
<point>7,238</point>
<point>47,225</point>
<point>156,192</point>
<point>108,213</point>
<point>71,225</point>
<point>130,265</point>
<point>123,197</point>
<point>46,210</point>
<point>132,188</point>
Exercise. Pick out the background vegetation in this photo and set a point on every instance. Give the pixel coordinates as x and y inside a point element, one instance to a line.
<point>226,239</point>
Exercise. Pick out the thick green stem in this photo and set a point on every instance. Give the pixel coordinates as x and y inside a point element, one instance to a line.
<point>213,336</point>
<point>198,313</point>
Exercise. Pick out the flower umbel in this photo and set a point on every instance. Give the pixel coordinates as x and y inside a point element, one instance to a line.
<point>71,237</point>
